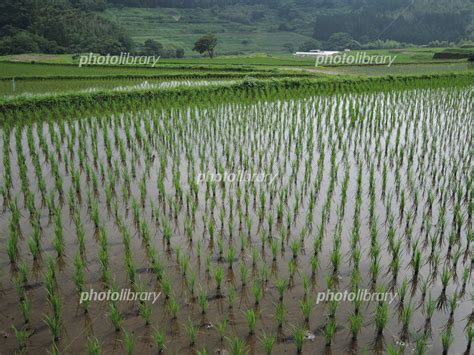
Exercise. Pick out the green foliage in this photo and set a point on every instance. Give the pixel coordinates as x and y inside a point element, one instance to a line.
<point>206,44</point>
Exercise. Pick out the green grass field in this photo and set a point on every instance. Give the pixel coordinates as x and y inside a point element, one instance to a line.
<point>237,32</point>
<point>41,73</point>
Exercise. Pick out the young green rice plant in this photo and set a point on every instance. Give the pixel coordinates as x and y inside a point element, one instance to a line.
<point>79,277</point>
<point>54,326</point>
<point>12,245</point>
<point>381,317</point>
<point>298,335</point>
<point>202,301</point>
<point>336,259</point>
<point>220,246</point>
<point>166,287</point>
<point>264,273</point>
<point>292,267</point>
<point>251,321</point>
<point>255,256</point>
<point>115,316</point>
<point>445,277</point>
<point>173,307</point>
<point>416,263</point>
<point>295,247</point>
<point>403,290</point>
<point>332,308</point>
<point>231,256</point>
<point>356,322</point>
<point>218,276</point>
<point>145,311</point>
<point>192,331</point>
<point>469,337</point>
<point>314,265</point>
<point>25,308</point>
<point>22,336</point>
<point>281,285</point>
<point>158,337</point>
<point>307,307</point>
<point>421,344</point>
<point>34,246</point>
<point>129,342</point>
<point>243,274</point>
<point>237,346</point>
<point>407,313</point>
<point>257,291</point>
<point>329,331</point>
<point>93,346</point>
<point>268,341</point>
<point>280,314</point>
<point>274,248</point>
<point>221,328</point>
<point>231,295</point>
<point>446,340</point>
<point>453,303</point>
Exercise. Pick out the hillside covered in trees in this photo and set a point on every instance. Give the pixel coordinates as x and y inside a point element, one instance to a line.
<point>57,26</point>
<point>244,25</point>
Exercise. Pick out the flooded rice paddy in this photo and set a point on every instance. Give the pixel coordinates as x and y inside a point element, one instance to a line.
<point>368,192</point>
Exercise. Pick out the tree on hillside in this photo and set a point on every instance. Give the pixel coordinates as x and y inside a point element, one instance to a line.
<point>341,40</point>
<point>205,44</point>
<point>153,47</point>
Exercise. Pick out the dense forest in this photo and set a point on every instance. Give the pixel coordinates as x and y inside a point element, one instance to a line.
<point>55,26</point>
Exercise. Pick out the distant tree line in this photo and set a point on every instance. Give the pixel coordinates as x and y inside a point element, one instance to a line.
<point>73,26</point>
<point>57,26</point>
<point>418,28</point>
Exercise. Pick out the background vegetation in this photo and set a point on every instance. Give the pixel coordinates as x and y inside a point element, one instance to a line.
<point>243,26</point>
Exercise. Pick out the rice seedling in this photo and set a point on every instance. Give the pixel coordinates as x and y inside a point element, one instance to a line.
<point>257,291</point>
<point>237,346</point>
<point>93,346</point>
<point>54,326</point>
<point>469,337</point>
<point>407,312</point>
<point>251,321</point>
<point>173,307</point>
<point>192,332</point>
<point>381,317</point>
<point>329,331</point>
<point>221,328</point>
<point>22,336</point>
<point>231,294</point>
<point>159,339</point>
<point>268,341</point>
<point>298,335</point>
<point>307,307</point>
<point>145,312</point>
<point>219,276</point>
<point>356,323</point>
<point>446,340</point>
<point>129,342</point>
<point>25,307</point>
<point>243,274</point>
<point>115,316</point>
<point>202,301</point>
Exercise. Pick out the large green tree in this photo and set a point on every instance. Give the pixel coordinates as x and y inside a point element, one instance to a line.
<point>205,44</point>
